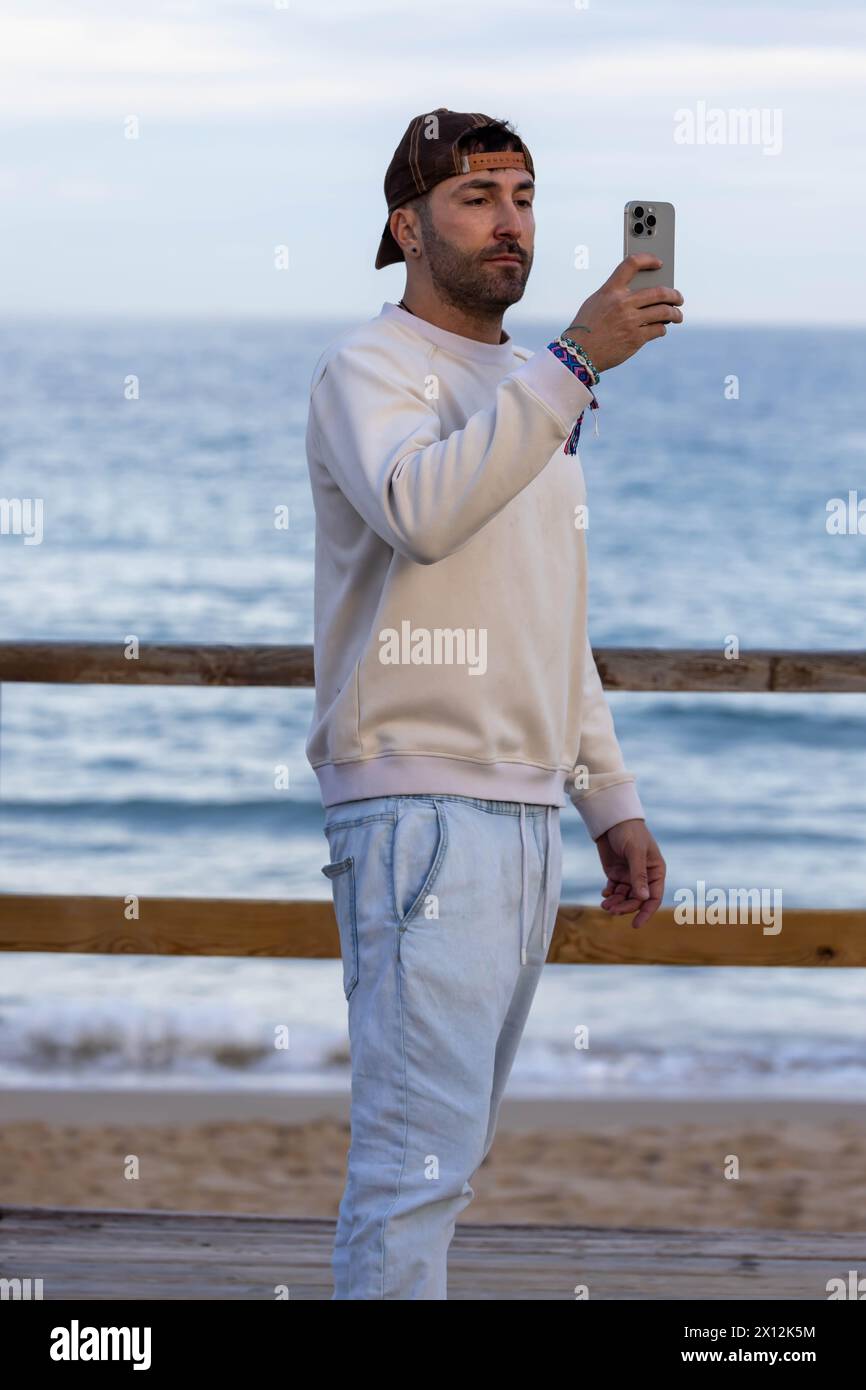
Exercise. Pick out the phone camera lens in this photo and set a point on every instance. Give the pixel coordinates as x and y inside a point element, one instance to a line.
<point>650,221</point>
<point>638,212</point>
<point>649,231</point>
<point>638,228</point>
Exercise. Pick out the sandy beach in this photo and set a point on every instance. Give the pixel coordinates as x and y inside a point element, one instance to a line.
<point>802,1165</point>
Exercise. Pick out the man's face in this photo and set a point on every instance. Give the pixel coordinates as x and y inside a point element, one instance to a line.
<point>478,237</point>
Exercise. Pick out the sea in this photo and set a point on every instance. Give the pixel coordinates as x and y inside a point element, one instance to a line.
<point>163,451</point>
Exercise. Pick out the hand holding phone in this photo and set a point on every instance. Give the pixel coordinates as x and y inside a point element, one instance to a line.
<point>638,300</point>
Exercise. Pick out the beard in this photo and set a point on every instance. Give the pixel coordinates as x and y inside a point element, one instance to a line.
<point>468,281</point>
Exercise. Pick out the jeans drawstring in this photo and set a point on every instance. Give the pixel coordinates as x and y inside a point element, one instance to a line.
<point>524,884</point>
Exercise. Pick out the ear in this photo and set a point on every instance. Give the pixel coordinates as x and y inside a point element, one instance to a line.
<point>405,231</point>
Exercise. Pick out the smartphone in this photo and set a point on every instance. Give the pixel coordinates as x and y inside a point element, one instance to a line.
<point>649,227</point>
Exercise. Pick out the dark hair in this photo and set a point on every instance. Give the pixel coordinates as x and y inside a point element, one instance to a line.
<point>501,135</point>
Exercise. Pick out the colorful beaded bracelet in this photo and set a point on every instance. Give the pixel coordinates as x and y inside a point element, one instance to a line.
<point>564,350</point>
<point>581,352</point>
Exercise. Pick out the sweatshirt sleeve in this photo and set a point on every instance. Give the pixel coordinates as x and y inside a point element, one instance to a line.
<point>379,437</point>
<point>611,795</point>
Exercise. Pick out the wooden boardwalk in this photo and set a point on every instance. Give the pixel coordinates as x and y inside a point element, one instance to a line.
<point>109,1255</point>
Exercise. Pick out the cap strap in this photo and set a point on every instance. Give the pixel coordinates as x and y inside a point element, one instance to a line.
<point>494,159</point>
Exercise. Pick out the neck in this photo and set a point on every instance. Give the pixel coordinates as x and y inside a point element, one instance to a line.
<point>425,304</point>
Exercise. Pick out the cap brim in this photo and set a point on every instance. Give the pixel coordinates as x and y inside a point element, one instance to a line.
<point>389,252</point>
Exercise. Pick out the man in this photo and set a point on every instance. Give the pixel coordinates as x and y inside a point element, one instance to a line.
<point>457,699</point>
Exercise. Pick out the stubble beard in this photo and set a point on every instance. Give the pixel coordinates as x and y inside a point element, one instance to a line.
<point>464,282</point>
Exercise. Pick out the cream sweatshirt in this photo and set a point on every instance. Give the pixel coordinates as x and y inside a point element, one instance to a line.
<point>451,644</point>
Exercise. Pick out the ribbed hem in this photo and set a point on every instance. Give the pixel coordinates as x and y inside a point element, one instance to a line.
<point>608,806</point>
<point>419,774</point>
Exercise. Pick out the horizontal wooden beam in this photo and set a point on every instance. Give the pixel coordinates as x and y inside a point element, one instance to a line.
<point>761,669</point>
<point>620,668</point>
<point>157,663</point>
<point>307,930</point>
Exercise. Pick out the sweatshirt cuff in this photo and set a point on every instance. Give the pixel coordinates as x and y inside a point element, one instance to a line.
<point>608,806</point>
<point>558,388</point>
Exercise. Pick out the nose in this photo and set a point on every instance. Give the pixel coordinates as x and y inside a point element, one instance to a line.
<point>509,227</point>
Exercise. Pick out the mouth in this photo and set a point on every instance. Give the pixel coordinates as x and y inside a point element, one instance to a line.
<point>506,260</point>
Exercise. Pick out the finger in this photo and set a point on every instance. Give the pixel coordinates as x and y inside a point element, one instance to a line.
<point>629,267</point>
<point>636,855</point>
<point>656,294</point>
<point>616,889</point>
<point>619,902</point>
<point>661,313</point>
<point>649,907</point>
<point>657,872</point>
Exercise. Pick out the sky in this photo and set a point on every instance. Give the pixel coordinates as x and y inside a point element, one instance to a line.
<point>264,127</point>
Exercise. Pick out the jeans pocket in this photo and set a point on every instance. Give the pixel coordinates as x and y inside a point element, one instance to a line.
<point>342,876</point>
<point>420,838</point>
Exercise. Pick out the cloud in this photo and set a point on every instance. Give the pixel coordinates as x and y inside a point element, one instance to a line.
<point>188,62</point>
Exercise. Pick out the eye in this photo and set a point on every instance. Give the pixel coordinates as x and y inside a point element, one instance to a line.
<point>470,201</point>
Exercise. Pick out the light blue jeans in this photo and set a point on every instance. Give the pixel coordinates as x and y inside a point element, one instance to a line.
<point>445,907</point>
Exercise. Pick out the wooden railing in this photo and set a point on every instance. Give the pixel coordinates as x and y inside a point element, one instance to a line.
<point>306,929</point>
<point>620,668</point>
